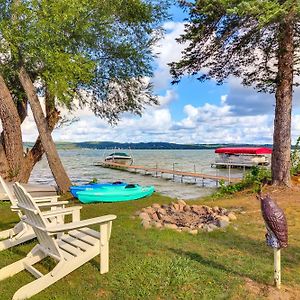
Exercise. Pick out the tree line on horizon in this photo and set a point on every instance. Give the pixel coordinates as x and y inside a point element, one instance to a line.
<point>93,54</point>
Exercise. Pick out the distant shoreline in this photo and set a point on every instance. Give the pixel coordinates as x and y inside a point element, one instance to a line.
<point>145,146</point>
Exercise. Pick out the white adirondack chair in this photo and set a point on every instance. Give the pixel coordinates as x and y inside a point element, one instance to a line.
<point>71,250</point>
<point>22,232</point>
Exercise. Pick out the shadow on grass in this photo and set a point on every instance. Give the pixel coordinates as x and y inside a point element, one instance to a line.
<point>247,247</point>
<point>232,240</point>
<point>213,264</point>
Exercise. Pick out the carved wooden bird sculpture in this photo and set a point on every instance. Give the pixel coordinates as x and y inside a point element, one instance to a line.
<point>275,220</point>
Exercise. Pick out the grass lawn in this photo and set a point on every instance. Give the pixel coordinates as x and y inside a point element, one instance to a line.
<point>162,264</point>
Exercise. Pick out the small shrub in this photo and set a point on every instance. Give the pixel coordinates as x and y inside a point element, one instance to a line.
<point>255,178</point>
<point>295,159</point>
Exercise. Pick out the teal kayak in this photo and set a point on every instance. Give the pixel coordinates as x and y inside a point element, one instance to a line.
<point>115,193</point>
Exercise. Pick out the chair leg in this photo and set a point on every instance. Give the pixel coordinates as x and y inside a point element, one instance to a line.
<point>33,257</point>
<point>8,243</point>
<point>104,252</point>
<point>12,231</point>
<point>61,270</point>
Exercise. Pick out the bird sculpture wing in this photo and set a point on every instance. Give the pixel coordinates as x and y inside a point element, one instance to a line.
<point>275,220</point>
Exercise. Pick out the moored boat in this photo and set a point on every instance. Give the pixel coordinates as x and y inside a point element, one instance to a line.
<point>242,156</point>
<point>115,193</point>
<point>119,158</point>
<point>79,188</point>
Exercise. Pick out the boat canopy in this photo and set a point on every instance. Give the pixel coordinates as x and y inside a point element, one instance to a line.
<point>119,154</point>
<point>244,150</point>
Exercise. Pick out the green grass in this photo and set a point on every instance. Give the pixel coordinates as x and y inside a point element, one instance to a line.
<point>164,264</point>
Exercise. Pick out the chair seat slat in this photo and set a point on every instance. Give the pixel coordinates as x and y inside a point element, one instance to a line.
<point>84,237</point>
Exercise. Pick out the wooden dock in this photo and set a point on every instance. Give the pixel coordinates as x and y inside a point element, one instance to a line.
<point>159,171</point>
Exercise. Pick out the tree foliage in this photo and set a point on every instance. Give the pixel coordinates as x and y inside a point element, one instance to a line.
<point>257,41</point>
<point>95,52</point>
<point>238,38</point>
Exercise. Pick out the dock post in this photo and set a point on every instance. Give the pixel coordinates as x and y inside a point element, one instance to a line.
<point>195,173</point>
<point>156,170</point>
<point>173,171</point>
<point>229,173</point>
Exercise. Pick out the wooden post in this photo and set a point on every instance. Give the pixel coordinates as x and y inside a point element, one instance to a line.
<point>156,170</point>
<point>229,174</point>
<point>195,173</point>
<point>277,268</point>
<point>104,258</point>
<point>173,171</point>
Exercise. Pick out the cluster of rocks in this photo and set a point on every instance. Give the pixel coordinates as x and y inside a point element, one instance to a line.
<point>183,217</point>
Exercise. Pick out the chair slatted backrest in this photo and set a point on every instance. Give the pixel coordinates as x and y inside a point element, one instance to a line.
<point>8,192</point>
<point>36,220</point>
<point>11,196</point>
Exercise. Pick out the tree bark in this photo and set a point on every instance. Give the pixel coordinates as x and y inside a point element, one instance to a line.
<point>11,137</point>
<point>55,164</point>
<point>37,151</point>
<point>281,156</point>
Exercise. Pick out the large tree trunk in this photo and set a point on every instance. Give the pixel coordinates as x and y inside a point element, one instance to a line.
<point>281,156</point>
<point>11,138</point>
<point>57,169</point>
<point>37,151</point>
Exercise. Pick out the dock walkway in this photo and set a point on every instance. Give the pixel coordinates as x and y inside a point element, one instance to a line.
<point>161,171</point>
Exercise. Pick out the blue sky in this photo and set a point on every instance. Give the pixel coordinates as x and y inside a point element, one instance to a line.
<point>190,112</point>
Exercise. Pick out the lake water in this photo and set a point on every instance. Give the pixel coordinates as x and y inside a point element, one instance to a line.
<point>79,164</point>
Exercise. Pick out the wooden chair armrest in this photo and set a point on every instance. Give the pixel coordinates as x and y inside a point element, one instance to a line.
<point>46,199</point>
<point>47,204</point>
<point>61,211</point>
<point>80,224</point>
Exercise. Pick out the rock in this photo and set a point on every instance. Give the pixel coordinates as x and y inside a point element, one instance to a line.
<point>209,227</point>
<point>175,206</point>
<point>155,205</point>
<point>144,216</point>
<point>164,206</point>
<point>181,207</point>
<point>157,225</point>
<point>198,210</point>
<point>146,224</point>
<point>161,211</point>
<point>223,211</point>
<point>148,210</point>
<point>187,208</point>
<point>215,209</point>
<point>155,217</point>
<point>193,231</point>
<point>170,226</point>
<point>223,218</point>
<point>231,216</point>
<point>181,202</point>
<point>222,223</point>
<point>185,229</point>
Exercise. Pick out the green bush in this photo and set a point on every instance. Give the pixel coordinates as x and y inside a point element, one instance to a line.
<point>254,178</point>
<point>295,159</point>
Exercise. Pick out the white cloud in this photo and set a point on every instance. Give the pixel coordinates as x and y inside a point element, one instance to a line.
<point>168,50</point>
